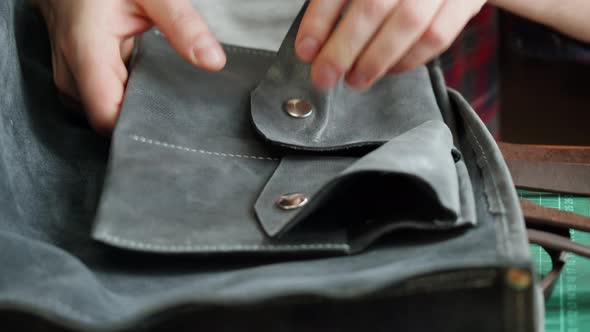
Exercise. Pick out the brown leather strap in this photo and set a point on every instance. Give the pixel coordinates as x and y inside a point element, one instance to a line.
<point>549,228</point>
<point>556,242</point>
<point>552,168</point>
<point>546,153</point>
<point>558,260</point>
<point>557,247</point>
<point>536,214</point>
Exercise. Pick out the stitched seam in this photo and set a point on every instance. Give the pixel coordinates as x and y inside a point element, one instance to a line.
<point>503,222</point>
<point>146,140</point>
<point>485,159</point>
<point>222,247</point>
<point>237,49</point>
<point>234,49</point>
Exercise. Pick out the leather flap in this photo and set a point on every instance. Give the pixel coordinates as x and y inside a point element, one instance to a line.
<point>411,181</point>
<point>341,118</point>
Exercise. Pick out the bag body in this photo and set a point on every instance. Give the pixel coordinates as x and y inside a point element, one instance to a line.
<point>246,199</point>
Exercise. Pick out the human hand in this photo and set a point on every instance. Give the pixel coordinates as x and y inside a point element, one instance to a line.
<point>92,40</point>
<point>376,37</point>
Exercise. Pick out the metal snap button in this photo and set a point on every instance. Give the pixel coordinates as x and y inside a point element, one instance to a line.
<point>298,108</point>
<point>456,155</point>
<point>292,201</point>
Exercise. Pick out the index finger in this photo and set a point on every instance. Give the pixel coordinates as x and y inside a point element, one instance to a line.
<point>186,31</point>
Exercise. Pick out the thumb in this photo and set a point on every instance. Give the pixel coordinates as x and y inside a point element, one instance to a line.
<point>186,31</point>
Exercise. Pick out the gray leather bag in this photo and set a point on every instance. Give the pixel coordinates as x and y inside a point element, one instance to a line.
<point>246,199</point>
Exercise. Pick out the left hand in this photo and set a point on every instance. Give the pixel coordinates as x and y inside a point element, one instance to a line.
<point>375,37</point>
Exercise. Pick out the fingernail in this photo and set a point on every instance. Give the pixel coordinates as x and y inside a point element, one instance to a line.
<point>210,56</point>
<point>308,48</point>
<point>207,52</point>
<point>357,79</point>
<point>325,76</point>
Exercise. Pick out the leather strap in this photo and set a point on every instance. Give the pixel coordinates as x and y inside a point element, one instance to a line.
<point>551,168</point>
<point>558,169</point>
<point>556,242</point>
<point>536,214</point>
<point>558,260</point>
<point>546,153</point>
<point>549,228</point>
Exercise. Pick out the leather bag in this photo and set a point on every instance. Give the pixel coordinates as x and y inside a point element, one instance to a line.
<point>245,199</point>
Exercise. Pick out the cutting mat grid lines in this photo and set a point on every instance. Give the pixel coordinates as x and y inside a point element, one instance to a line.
<point>568,309</point>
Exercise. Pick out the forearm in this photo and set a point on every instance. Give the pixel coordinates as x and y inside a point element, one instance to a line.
<point>570,17</point>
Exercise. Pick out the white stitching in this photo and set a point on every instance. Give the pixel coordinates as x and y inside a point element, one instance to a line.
<point>218,248</point>
<point>234,49</point>
<point>237,49</point>
<point>504,225</point>
<point>485,158</point>
<point>146,140</point>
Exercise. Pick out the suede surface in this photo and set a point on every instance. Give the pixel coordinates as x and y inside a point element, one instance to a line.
<point>57,193</point>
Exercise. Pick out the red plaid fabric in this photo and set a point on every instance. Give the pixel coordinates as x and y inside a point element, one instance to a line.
<point>471,65</point>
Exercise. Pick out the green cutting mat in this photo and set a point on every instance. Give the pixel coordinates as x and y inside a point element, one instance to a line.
<point>568,309</point>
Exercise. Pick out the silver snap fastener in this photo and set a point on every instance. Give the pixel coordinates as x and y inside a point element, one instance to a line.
<point>292,201</point>
<point>298,108</point>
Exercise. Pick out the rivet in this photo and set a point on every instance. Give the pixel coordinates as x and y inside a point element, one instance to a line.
<point>518,279</point>
<point>298,108</point>
<point>292,201</point>
<point>456,155</point>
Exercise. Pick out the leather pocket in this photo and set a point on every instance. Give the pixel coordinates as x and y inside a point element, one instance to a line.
<point>411,182</point>
<point>190,173</point>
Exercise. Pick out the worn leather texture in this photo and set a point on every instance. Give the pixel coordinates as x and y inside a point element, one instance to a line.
<point>342,117</point>
<point>184,227</point>
<point>195,169</point>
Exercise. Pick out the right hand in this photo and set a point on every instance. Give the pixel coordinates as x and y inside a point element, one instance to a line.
<point>91,40</point>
